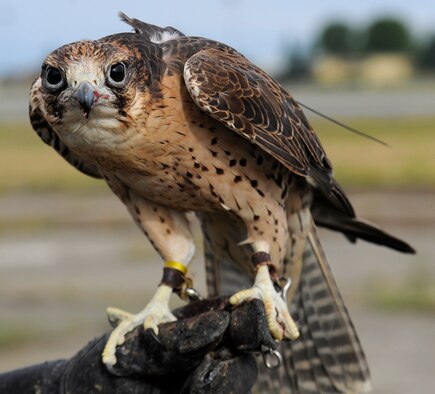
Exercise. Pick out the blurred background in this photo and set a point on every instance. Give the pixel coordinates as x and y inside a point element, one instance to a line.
<point>68,249</point>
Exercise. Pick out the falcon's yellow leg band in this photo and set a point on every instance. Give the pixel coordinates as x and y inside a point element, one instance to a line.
<point>177,266</point>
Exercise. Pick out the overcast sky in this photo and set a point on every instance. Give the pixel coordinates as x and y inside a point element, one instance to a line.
<point>260,29</point>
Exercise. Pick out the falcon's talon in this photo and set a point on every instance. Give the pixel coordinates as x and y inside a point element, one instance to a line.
<point>155,313</point>
<point>281,324</point>
<point>154,335</point>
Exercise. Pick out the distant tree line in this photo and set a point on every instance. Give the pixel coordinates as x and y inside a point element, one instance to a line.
<point>385,35</point>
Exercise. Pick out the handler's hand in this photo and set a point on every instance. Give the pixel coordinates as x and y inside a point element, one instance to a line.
<point>208,350</point>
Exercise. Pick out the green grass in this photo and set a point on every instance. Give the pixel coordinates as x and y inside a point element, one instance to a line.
<point>416,294</point>
<point>14,335</point>
<point>359,162</point>
<point>27,164</point>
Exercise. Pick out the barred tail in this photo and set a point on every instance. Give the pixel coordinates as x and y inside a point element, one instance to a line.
<point>328,357</point>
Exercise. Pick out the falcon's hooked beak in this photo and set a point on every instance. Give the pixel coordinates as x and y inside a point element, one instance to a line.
<point>85,95</point>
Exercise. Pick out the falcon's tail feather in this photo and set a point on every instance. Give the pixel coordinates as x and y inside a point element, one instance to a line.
<point>355,228</point>
<point>328,356</point>
<point>334,211</point>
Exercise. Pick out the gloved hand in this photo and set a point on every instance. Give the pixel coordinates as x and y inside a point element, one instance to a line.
<point>208,350</point>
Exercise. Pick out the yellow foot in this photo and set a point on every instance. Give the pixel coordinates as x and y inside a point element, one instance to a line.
<point>281,324</point>
<point>155,313</point>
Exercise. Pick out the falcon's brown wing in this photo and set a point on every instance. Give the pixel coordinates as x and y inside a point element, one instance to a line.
<point>48,135</point>
<point>234,91</point>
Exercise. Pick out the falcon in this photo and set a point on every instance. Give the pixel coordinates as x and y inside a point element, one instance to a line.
<point>177,124</point>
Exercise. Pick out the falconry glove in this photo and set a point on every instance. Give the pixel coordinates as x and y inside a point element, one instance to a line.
<point>208,350</point>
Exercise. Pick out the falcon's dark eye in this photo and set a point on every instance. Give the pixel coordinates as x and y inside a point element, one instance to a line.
<point>54,79</point>
<point>117,75</point>
<point>117,72</point>
<point>54,76</point>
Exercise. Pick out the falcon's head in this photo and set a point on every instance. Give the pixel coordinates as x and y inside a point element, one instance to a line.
<point>94,86</point>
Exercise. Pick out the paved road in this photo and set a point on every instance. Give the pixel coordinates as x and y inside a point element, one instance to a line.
<point>368,103</point>
<point>59,272</point>
<point>341,103</point>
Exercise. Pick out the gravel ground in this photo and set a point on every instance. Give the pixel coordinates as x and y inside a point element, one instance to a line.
<point>63,259</point>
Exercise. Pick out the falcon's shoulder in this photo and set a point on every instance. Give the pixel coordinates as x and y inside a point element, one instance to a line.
<point>49,136</point>
<point>231,89</point>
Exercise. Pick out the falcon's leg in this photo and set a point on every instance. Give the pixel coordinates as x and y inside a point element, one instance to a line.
<point>170,234</point>
<point>298,223</point>
<point>281,324</point>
